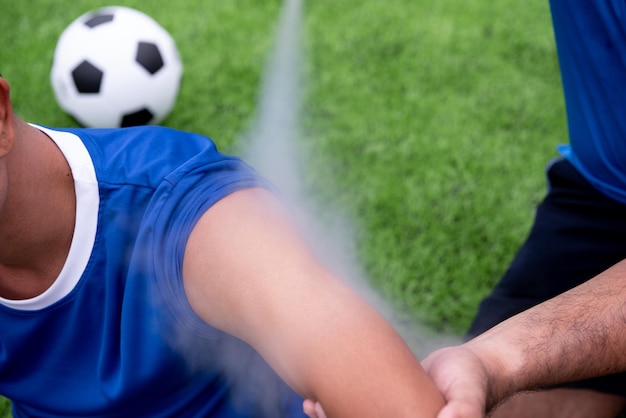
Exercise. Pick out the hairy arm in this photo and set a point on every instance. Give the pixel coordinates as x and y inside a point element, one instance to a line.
<point>248,272</point>
<point>576,335</point>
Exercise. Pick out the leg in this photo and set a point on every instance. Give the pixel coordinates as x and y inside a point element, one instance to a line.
<point>561,403</point>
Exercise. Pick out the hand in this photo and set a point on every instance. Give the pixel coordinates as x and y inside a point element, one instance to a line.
<point>313,409</point>
<point>462,379</point>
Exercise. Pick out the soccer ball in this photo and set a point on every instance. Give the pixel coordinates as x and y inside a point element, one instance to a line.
<point>116,67</point>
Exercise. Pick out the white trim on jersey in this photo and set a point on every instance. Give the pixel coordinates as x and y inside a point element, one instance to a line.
<point>87,203</point>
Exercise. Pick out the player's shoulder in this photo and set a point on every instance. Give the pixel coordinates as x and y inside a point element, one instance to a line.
<point>143,144</point>
<point>152,151</point>
<point>155,138</point>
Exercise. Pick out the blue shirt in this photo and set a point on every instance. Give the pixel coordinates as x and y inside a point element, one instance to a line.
<point>591,43</point>
<point>114,335</point>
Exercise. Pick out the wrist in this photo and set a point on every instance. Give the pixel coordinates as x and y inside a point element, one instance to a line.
<point>502,364</point>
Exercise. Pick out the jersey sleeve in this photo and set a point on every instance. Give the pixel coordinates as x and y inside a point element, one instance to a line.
<point>179,202</point>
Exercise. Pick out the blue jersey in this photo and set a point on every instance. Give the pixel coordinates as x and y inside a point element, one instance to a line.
<point>591,43</point>
<point>114,335</point>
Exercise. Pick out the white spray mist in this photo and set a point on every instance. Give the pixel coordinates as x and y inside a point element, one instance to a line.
<point>272,147</point>
<point>271,144</point>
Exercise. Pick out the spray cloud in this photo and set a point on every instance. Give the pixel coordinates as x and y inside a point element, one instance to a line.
<point>271,146</point>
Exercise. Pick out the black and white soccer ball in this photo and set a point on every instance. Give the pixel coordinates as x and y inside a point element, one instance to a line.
<point>116,67</point>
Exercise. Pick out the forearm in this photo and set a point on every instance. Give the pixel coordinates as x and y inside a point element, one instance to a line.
<point>356,364</point>
<point>573,336</point>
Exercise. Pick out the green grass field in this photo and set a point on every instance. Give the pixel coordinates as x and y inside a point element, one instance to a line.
<point>428,123</point>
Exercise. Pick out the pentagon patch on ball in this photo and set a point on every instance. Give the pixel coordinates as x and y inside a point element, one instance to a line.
<point>116,67</point>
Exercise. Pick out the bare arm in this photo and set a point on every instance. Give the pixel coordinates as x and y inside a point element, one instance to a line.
<point>576,335</point>
<point>248,272</point>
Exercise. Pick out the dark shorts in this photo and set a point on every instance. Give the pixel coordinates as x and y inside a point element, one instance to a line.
<point>577,233</point>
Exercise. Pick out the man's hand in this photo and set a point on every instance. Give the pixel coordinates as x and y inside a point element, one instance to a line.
<point>462,378</point>
<point>313,409</point>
